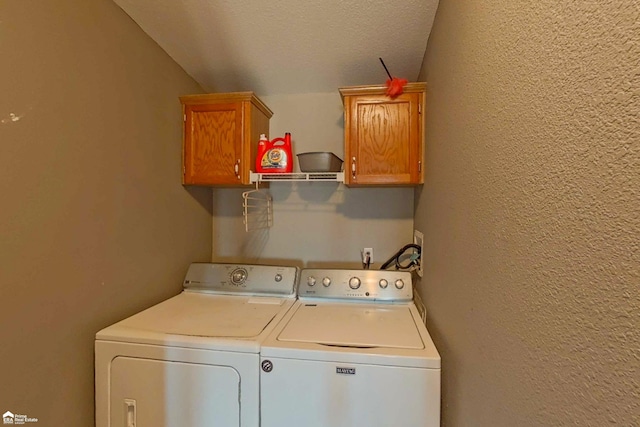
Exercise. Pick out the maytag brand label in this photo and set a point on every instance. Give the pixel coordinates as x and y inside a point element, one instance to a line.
<point>346,371</point>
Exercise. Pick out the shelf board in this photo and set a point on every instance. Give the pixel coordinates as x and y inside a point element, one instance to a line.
<point>297,176</point>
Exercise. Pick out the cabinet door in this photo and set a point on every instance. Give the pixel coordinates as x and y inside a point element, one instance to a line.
<point>383,139</point>
<point>212,144</point>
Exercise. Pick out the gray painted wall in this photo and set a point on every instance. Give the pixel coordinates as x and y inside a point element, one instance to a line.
<point>315,224</point>
<point>530,211</point>
<point>94,223</point>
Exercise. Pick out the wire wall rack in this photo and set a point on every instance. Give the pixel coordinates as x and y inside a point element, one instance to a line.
<point>257,207</point>
<point>257,204</point>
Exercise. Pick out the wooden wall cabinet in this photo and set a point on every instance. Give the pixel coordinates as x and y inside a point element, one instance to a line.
<point>221,133</point>
<point>384,137</point>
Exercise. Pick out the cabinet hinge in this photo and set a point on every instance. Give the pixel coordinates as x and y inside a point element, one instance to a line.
<point>184,117</point>
<point>419,109</point>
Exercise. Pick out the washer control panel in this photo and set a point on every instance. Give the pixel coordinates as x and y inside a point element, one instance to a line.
<point>242,278</point>
<point>356,284</point>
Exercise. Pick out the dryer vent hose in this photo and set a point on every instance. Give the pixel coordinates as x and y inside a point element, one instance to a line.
<point>414,258</point>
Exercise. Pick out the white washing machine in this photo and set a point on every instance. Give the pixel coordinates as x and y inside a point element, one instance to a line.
<point>193,360</point>
<point>353,351</point>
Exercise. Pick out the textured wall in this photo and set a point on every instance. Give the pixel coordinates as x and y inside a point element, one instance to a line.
<point>94,223</point>
<point>531,211</point>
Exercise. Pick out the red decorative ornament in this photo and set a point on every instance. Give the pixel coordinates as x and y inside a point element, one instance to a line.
<point>395,87</point>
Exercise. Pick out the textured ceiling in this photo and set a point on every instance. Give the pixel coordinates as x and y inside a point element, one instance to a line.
<point>288,46</point>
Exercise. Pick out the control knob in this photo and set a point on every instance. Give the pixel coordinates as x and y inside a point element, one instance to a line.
<point>383,283</point>
<point>311,281</point>
<point>354,283</point>
<point>238,276</point>
<point>326,282</point>
<point>399,284</point>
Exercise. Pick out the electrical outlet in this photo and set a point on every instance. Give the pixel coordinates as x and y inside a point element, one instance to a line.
<point>418,239</point>
<point>367,253</point>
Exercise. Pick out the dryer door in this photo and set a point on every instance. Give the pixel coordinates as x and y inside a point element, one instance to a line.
<point>158,393</point>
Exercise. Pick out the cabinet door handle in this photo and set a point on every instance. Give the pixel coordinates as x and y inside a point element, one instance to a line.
<point>236,168</point>
<point>353,167</point>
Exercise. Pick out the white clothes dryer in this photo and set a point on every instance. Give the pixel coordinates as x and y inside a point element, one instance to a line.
<point>193,360</point>
<point>353,351</point>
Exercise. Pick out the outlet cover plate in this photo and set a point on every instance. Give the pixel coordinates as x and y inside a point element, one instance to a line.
<point>418,239</point>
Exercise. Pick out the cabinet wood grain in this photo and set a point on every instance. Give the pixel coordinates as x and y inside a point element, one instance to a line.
<point>384,137</point>
<point>221,133</point>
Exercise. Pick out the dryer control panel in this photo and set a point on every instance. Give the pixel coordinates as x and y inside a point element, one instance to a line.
<point>366,285</point>
<point>242,279</point>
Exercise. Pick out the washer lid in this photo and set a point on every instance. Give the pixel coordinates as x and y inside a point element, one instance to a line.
<point>353,325</point>
<point>205,315</point>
